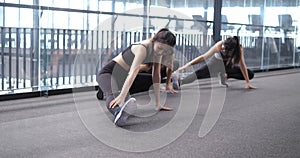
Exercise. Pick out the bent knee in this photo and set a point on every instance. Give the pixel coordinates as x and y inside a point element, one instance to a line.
<point>251,75</point>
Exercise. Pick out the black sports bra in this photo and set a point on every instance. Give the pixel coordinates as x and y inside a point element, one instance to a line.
<point>128,56</point>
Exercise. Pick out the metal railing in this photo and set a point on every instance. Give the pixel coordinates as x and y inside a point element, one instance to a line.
<point>44,59</point>
<point>61,58</point>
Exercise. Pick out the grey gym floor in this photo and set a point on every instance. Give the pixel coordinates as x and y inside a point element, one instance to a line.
<point>259,123</point>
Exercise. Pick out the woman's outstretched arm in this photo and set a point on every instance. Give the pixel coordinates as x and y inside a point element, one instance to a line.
<point>215,48</point>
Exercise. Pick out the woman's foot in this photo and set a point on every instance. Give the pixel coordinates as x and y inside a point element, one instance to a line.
<point>222,79</point>
<point>175,81</point>
<point>123,112</point>
<point>163,108</point>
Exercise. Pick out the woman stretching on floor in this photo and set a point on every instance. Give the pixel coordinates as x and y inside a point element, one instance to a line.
<point>121,74</point>
<point>228,53</point>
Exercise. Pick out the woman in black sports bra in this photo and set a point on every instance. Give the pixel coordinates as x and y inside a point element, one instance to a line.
<point>120,76</point>
<point>225,55</point>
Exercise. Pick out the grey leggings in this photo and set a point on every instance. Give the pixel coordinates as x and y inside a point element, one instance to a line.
<point>111,83</point>
<point>112,77</point>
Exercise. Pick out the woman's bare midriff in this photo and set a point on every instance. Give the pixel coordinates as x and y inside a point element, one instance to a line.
<point>119,59</point>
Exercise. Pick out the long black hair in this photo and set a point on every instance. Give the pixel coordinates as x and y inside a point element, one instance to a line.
<point>233,44</point>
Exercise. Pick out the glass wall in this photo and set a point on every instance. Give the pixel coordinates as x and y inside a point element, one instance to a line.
<point>268,30</point>
<point>58,44</point>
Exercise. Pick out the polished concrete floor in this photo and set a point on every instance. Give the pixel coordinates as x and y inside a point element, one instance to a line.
<point>208,121</point>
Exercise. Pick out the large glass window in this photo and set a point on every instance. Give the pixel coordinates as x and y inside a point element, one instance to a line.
<point>2,13</point>
<point>179,4</point>
<point>11,17</point>
<point>196,3</point>
<point>268,30</point>
<point>28,15</point>
<point>12,1</point>
<point>30,2</point>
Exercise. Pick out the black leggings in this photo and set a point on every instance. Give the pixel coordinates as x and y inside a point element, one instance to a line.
<point>163,71</point>
<point>213,67</point>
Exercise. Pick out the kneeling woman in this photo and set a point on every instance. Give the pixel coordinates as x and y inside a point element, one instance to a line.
<point>228,52</point>
<point>119,75</point>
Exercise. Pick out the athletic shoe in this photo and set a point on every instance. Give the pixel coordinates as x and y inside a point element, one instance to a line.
<point>122,112</point>
<point>222,79</point>
<point>175,81</point>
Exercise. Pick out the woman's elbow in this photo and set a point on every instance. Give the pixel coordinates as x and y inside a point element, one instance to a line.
<point>250,74</point>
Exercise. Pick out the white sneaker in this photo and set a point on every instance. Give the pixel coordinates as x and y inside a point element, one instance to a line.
<point>128,107</point>
<point>175,81</point>
<point>222,79</point>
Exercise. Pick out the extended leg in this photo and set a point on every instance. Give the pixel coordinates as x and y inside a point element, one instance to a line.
<point>236,73</point>
<point>210,69</point>
<point>142,83</point>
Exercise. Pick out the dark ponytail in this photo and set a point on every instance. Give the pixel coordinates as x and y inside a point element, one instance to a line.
<point>165,36</point>
<point>237,53</point>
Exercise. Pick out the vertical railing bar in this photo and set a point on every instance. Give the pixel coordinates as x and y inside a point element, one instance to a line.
<point>24,58</point>
<point>97,52</point>
<point>31,57</point>
<point>107,44</point>
<point>81,52</point>
<point>85,56</point>
<point>63,56</point>
<point>17,56</point>
<point>51,59</point>
<point>45,62</point>
<point>92,57</point>
<point>130,34</point>
<point>76,59</point>
<point>134,36</point>
<point>70,54</point>
<point>10,59</point>
<point>2,56</point>
<point>57,53</point>
<point>117,43</point>
<point>102,49</point>
<point>182,46</point>
<point>97,47</point>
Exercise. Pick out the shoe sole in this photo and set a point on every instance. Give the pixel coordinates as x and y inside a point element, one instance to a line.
<point>122,109</point>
